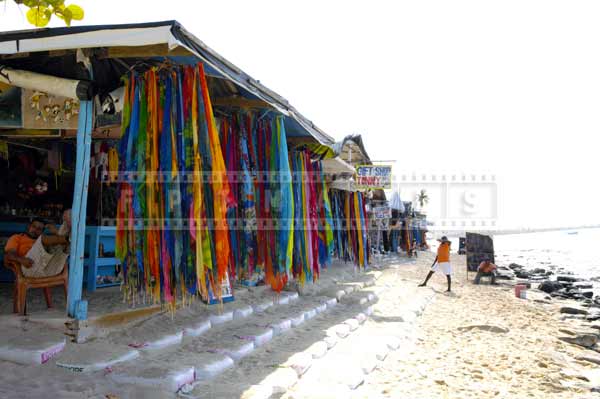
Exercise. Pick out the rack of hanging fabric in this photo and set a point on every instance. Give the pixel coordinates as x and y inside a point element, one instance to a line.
<point>351,242</point>
<point>261,231</point>
<point>172,233</point>
<point>281,227</point>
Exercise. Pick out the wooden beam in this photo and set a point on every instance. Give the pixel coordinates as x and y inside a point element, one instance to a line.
<point>155,50</point>
<point>240,102</point>
<point>79,208</point>
<point>52,53</point>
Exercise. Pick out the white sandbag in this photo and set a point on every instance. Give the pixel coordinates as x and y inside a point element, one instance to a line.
<point>281,380</point>
<point>349,289</point>
<point>330,341</point>
<point>282,300</point>
<point>159,343</point>
<point>262,306</point>
<point>259,336</point>
<point>352,377</point>
<point>352,323</point>
<point>242,312</point>
<point>300,363</point>
<point>381,350</point>
<point>235,349</point>
<point>370,282</point>
<point>332,302</point>
<point>309,314</point>
<point>216,319</point>
<point>361,318</point>
<point>293,296</point>
<point>210,365</point>
<point>198,328</point>
<point>297,319</point>
<point>27,351</point>
<point>369,311</point>
<point>371,297</point>
<point>339,294</point>
<point>339,330</point>
<point>368,364</point>
<point>363,301</point>
<point>93,357</point>
<point>318,349</point>
<point>156,375</point>
<point>281,326</point>
<point>321,308</point>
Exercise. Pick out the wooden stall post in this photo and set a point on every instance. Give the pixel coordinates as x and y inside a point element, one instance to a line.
<point>79,208</point>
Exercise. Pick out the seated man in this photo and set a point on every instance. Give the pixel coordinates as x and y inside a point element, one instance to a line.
<point>40,255</point>
<point>486,268</point>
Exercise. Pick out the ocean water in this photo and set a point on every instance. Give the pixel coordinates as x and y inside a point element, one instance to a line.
<point>576,251</point>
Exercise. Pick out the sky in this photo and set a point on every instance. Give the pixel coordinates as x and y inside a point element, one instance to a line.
<point>509,89</point>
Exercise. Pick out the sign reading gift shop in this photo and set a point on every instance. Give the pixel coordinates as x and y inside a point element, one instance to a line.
<point>376,177</point>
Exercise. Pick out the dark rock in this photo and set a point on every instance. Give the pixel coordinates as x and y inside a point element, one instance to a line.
<point>515,266</point>
<point>538,271</point>
<point>522,274</point>
<point>585,340</point>
<point>570,310</point>
<point>587,294</point>
<point>593,316</point>
<point>550,286</point>
<point>583,285</point>
<point>568,279</point>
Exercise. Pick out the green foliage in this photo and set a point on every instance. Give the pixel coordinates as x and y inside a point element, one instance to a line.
<point>41,11</point>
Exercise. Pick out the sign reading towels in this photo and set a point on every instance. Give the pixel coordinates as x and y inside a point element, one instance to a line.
<point>374,177</point>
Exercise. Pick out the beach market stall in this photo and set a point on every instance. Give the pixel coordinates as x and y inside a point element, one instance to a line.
<point>167,96</point>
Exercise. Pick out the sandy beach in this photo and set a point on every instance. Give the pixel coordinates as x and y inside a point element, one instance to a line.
<point>483,342</point>
<point>476,342</point>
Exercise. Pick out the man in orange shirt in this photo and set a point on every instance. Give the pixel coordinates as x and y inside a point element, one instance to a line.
<point>441,262</point>
<point>486,268</point>
<point>40,255</point>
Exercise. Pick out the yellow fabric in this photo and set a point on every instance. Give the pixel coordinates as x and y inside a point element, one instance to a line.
<point>113,164</point>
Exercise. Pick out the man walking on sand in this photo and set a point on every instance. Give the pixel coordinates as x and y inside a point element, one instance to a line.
<point>441,262</point>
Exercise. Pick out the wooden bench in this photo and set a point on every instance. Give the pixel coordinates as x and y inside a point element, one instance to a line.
<point>22,284</point>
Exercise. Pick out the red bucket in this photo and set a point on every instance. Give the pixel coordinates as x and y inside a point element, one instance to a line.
<point>520,291</point>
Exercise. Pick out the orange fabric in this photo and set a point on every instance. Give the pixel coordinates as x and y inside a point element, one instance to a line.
<point>486,268</point>
<point>443,253</point>
<point>20,243</point>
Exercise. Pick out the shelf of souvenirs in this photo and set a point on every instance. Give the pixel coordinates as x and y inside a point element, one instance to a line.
<point>50,213</point>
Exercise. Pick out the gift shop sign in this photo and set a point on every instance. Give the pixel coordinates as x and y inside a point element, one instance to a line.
<point>374,177</point>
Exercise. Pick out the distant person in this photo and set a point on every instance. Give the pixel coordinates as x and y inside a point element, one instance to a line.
<point>38,254</point>
<point>441,262</point>
<point>413,249</point>
<point>486,269</point>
